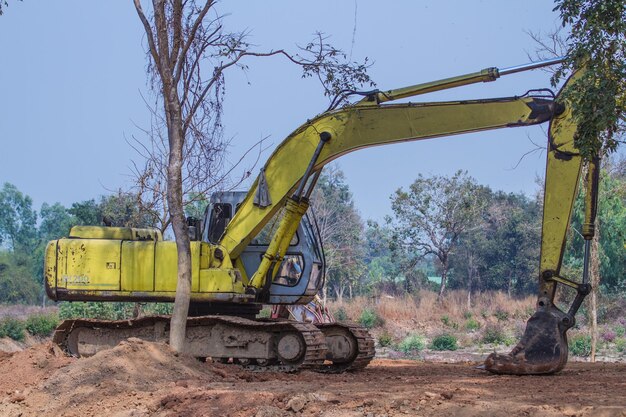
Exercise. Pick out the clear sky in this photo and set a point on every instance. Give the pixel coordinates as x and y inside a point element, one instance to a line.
<point>72,74</point>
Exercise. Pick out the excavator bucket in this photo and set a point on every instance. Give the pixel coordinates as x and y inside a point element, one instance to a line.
<point>542,349</point>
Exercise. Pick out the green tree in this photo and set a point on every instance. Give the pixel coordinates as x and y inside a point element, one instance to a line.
<point>56,221</point>
<point>86,213</point>
<point>382,270</point>
<point>122,209</point>
<point>432,215</point>
<point>611,219</point>
<point>341,230</point>
<point>501,252</point>
<point>389,270</point>
<point>17,285</point>
<point>513,251</point>
<point>597,40</point>
<point>18,221</point>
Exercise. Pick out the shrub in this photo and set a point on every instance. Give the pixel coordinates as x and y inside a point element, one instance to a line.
<point>12,328</point>
<point>580,345</point>
<point>495,334</point>
<point>472,325</point>
<point>608,336</point>
<point>444,342</point>
<point>412,344</point>
<point>501,315</point>
<point>161,309</point>
<point>369,318</point>
<point>265,313</point>
<point>620,345</point>
<point>42,324</point>
<point>620,331</point>
<point>467,315</point>
<point>447,322</point>
<point>384,339</point>
<point>341,314</point>
<point>91,310</point>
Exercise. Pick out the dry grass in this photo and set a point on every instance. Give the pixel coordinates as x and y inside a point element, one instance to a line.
<point>423,314</point>
<point>424,306</point>
<point>22,312</point>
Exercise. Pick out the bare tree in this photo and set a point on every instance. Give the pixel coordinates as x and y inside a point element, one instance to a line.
<point>204,170</point>
<point>189,52</point>
<point>548,45</point>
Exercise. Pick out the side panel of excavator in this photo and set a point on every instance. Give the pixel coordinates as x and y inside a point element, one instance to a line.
<point>93,265</point>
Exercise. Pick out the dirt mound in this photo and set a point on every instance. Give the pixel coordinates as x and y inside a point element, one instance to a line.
<point>9,345</point>
<point>119,379</point>
<point>27,368</point>
<point>138,378</point>
<point>131,365</point>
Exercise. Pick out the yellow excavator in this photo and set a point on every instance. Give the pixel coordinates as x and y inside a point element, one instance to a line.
<point>263,247</point>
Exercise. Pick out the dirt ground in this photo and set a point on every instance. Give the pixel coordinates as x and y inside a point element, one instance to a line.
<point>146,379</point>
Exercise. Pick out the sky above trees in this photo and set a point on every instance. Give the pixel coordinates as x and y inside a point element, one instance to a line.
<point>73,76</point>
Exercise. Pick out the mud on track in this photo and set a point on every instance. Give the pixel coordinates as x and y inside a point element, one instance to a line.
<point>146,379</point>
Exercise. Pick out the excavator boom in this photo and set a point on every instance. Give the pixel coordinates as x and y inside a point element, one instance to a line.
<point>358,127</point>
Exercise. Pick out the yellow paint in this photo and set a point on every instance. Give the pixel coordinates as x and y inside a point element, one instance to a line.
<point>138,266</point>
<point>563,168</point>
<point>89,263</point>
<point>94,268</point>
<point>119,233</point>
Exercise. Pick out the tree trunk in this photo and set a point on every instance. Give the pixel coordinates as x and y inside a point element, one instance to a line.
<point>594,272</point>
<point>176,138</point>
<point>444,276</point>
<point>339,291</point>
<point>470,278</point>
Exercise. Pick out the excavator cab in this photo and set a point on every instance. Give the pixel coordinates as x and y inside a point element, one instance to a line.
<point>301,273</point>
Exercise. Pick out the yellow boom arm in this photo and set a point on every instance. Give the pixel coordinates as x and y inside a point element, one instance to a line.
<point>363,126</point>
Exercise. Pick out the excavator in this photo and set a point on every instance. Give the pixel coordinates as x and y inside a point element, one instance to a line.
<point>263,247</point>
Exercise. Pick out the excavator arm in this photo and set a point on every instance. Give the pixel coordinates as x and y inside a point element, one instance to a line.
<point>543,348</point>
<point>290,174</point>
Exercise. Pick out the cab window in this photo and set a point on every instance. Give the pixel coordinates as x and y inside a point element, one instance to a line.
<point>221,213</point>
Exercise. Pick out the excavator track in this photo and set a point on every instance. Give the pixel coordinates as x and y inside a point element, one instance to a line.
<point>268,345</point>
<point>360,342</point>
<point>284,346</point>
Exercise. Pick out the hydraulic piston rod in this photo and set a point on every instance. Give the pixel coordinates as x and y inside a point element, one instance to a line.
<point>485,75</point>
<point>531,66</point>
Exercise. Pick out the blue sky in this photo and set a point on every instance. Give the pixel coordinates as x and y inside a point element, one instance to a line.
<point>72,74</point>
